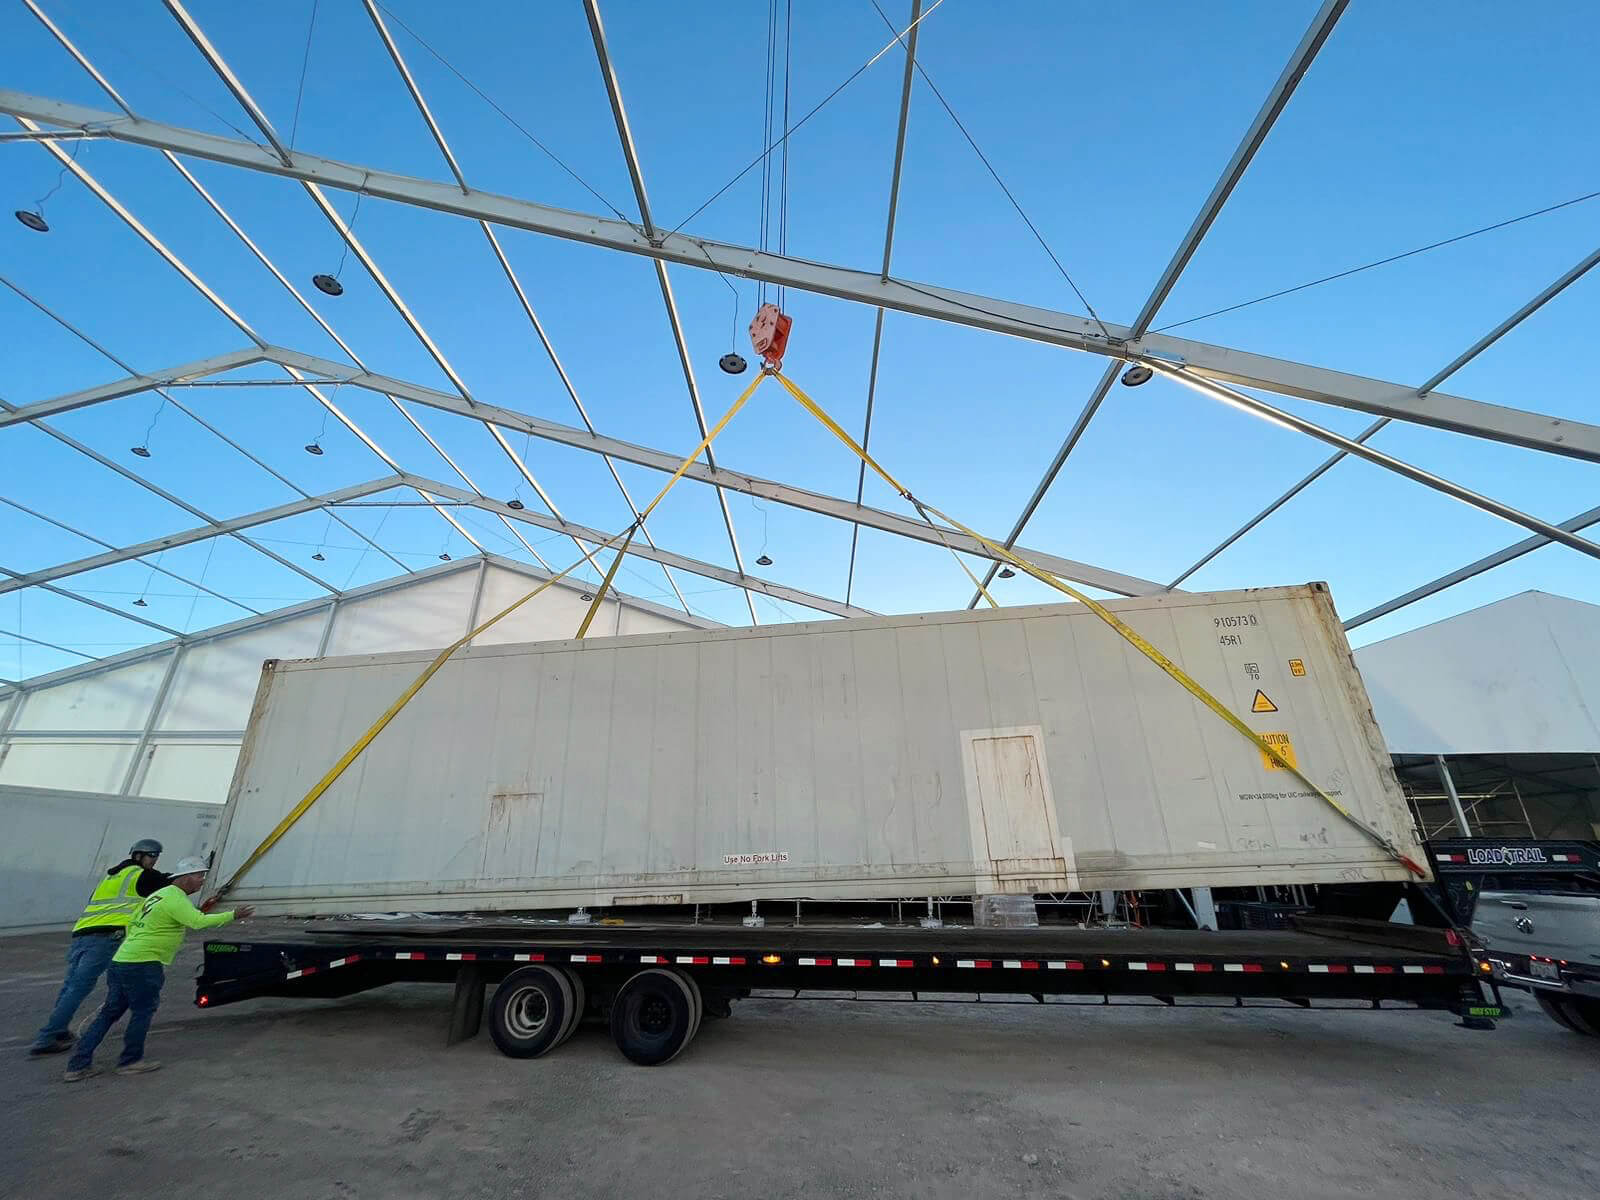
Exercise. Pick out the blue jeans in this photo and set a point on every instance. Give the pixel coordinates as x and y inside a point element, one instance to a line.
<point>87,959</point>
<point>130,987</point>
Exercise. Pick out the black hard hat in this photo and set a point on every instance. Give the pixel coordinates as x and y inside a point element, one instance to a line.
<point>145,846</point>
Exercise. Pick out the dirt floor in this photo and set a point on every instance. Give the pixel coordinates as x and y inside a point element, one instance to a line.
<point>360,1098</point>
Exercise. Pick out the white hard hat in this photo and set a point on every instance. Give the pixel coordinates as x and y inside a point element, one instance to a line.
<point>190,866</point>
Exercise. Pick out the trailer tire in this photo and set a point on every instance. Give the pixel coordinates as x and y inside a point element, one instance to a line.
<point>654,1015</point>
<point>530,1012</point>
<point>1552,1009</point>
<point>580,1001</point>
<point>1583,1013</point>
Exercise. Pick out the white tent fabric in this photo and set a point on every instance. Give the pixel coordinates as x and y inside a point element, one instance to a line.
<point>1520,676</point>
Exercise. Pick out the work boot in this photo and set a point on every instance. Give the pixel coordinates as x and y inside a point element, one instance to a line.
<point>139,1068</point>
<point>80,1076</point>
<point>63,1042</point>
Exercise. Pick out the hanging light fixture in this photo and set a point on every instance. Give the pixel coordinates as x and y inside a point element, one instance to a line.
<point>33,220</point>
<point>764,561</point>
<point>1136,374</point>
<point>328,285</point>
<point>140,451</point>
<point>515,503</point>
<point>1007,573</point>
<point>314,448</point>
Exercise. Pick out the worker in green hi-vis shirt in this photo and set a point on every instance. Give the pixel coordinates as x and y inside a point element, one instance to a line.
<point>134,979</point>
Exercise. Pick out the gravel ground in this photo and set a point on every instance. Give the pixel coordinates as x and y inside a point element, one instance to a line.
<point>360,1098</point>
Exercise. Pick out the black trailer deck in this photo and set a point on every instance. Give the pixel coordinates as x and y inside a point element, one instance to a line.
<point>1320,959</point>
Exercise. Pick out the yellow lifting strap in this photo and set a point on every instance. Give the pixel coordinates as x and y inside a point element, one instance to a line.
<point>1127,632</point>
<point>600,592</point>
<point>405,697</point>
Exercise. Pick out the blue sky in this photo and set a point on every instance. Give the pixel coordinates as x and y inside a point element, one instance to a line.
<point>1417,122</point>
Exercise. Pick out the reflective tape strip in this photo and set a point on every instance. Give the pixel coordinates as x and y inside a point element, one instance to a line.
<point>410,954</point>
<point>1233,966</point>
<point>730,961</point>
<point>1362,970</point>
<point>981,964</point>
<point>1318,968</point>
<point>816,962</point>
<point>1381,970</point>
<point>1020,964</point>
<point>1409,970</point>
<point>694,960</point>
<point>1068,964</point>
<point>460,957</point>
<point>896,962</point>
<point>854,962</point>
<point>302,971</point>
<point>653,958</point>
<point>1433,970</point>
<point>1147,966</point>
<point>527,958</point>
<point>585,958</point>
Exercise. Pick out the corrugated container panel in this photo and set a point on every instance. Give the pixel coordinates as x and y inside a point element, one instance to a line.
<point>1026,749</point>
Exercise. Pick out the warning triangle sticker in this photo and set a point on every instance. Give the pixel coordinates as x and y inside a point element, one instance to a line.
<point>1261,703</point>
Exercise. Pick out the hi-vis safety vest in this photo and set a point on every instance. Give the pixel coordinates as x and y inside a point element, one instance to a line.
<point>114,902</point>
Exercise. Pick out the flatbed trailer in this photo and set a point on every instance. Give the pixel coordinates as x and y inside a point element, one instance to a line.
<point>654,982</point>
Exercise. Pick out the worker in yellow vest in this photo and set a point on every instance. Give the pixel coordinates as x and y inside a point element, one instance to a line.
<point>97,935</point>
<point>137,971</point>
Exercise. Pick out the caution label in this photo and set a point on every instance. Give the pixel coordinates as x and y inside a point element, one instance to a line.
<point>1281,743</point>
<point>1261,703</point>
<point>1297,667</point>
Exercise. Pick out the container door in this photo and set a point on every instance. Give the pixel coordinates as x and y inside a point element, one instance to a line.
<point>1014,799</point>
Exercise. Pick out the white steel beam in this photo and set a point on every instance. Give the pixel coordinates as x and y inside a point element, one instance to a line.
<point>132,385</point>
<point>910,44</point>
<point>201,533</point>
<point>127,616</point>
<point>165,394</point>
<point>1381,398</point>
<point>630,153</point>
<point>170,498</point>
<point>1487,563</point>
<point>661,460</point>
<point>1277,99</point>
<point>665,557</point>
<point>194,280</point>
<point>1571,276</point>
<point>439,139</point>
<point>214,58</point>
<point>99,541</point>
<point>1455,491</point>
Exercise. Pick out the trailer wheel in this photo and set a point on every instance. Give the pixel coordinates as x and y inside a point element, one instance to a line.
<point>580,1001</point>
<point>530,1011</point>
<point>1583,1013</point>
<point>655,1014</point>
<point>1552,1009</point>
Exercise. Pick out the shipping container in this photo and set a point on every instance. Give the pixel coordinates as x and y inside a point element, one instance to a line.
<point>1027,749</point>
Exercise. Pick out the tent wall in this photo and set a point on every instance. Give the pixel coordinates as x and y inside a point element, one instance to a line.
<point>168,725</point>
<point>54,845</point>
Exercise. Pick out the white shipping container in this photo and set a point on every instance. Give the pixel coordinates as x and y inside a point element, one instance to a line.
<point>1021,749</point>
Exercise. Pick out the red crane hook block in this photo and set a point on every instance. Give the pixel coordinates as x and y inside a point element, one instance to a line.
<point>769,334</point>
